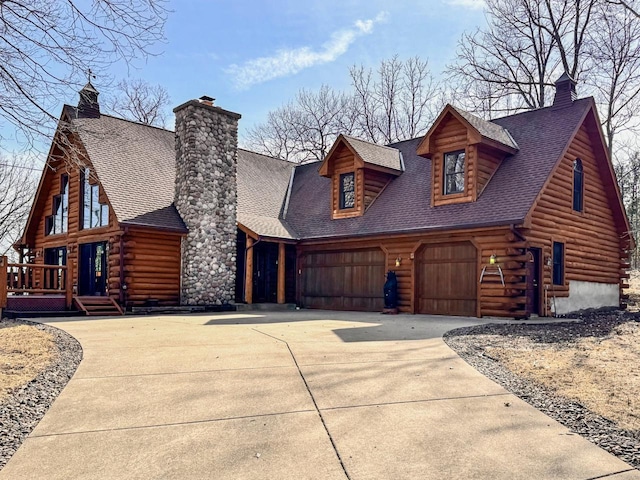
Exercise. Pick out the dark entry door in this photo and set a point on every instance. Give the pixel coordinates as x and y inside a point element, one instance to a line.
<point>92,279</point>
<point>533,281</point>
<point>265,273</point>
<point>54,278</point>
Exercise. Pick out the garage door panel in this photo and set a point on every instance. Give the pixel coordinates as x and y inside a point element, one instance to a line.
<point>447,279</point>
<point>350,280</point>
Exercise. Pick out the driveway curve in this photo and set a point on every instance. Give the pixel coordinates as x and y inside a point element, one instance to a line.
<point>291,395</point>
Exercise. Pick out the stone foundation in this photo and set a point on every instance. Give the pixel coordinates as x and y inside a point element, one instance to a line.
<point>584,295</point>
<point>205,196</point>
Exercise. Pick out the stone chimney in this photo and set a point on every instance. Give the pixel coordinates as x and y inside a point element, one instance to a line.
<point>88,106</point>
<point>205,196</point>
<point>565,91</point>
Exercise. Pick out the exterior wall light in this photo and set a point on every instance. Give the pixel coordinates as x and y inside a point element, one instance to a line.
<point>398,261</point>
<point>493,259</point>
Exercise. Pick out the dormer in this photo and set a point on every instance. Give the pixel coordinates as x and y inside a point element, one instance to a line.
<point>359,172</point>
<point>465,152</point>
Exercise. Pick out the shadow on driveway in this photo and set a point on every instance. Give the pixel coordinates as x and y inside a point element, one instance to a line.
<point>374,327</point>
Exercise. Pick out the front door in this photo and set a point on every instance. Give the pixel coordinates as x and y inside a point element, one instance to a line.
<point>92,279</point>
<point>55,278</point>
<point>533,281</point>
<point>265,272</point>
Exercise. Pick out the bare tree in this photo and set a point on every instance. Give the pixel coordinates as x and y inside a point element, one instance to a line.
<point>614,49</point>
<point>139,101</point>
<point>398,102</point>
<point>47,47</point>
<point>305,128</point>
<point>526,45</point>
<point>18,180</point>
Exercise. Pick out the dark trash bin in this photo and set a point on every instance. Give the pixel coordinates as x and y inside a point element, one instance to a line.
<point>391,293</point>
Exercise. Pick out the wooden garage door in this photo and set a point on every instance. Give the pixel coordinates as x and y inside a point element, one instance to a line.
<point>347,280</point>
<point>446,279</point>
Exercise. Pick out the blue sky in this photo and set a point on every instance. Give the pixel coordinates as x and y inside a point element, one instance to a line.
<point>254,56</point>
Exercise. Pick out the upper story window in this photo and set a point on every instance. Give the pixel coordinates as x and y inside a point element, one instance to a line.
<point>578,186</point>
<point>58,222</point>
<point>347,190</point>
<point>94,214</point>
<point>454,172</point>
<point>558,263</point>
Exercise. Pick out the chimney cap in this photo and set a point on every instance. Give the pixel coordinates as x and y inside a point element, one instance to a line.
<point>207,100</point>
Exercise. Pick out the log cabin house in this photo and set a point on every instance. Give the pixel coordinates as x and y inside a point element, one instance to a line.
<point>512,217</point>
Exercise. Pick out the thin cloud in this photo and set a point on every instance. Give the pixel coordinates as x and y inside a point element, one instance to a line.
<point>472,4</point>
<point>289,62</point>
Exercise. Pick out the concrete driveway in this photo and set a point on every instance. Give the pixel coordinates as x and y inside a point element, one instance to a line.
<point>291,395</point>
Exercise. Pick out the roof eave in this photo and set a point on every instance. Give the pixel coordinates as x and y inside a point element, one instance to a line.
<point>499,223</point>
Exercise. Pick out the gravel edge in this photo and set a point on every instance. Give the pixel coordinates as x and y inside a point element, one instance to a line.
<point>21,411</point>
<point>622,443</point>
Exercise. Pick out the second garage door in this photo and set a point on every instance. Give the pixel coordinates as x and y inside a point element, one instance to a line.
<point>346,280</point>
<point>447,279</point>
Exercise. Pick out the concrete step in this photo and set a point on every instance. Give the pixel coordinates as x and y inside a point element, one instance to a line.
<point>264,307</point>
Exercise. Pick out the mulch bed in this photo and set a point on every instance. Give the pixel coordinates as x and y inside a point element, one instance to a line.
<point>21,411</point>
<point>625,444</point>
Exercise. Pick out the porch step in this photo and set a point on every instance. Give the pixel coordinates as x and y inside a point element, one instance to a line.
<point>102,306</point>
<point>268,307</point>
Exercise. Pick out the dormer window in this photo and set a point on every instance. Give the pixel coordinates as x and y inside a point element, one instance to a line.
<point>347,191</point>
<point>454,172</point>
<point>578,183</point>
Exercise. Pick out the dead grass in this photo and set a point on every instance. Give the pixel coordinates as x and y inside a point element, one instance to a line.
<point>601,373</point>
<point>634,290</point>
<point>24,352</point>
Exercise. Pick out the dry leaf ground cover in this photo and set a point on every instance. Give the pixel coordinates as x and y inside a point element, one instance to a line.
<point>24,352</point>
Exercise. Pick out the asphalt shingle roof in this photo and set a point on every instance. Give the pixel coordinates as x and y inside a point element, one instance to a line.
<point>262,189</point>
<point>405,204</point>
<point>488,129</point>
<point>135,164</point>
<point>376,154</point>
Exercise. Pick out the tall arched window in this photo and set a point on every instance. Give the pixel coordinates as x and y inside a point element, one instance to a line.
<point>578,186</point>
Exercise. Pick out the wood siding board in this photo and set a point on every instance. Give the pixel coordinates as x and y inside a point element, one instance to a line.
<point>593,249</point>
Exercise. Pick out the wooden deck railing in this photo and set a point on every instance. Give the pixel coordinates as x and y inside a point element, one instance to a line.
<point>34,279</point>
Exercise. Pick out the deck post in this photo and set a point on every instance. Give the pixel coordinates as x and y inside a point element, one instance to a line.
<point>3,283</point>
<point>68,294</point>
<point>281,272</point>
<point>248,272</point>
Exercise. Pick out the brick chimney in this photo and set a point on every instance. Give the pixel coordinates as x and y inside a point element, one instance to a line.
<point>565,91</point>
<point>205,196</point>
<point>88,106</point>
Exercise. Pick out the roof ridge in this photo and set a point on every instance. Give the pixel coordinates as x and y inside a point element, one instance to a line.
<point>134,122</point>
<point>266,156</point>
<point>367,141</point>
<point>533,110</point>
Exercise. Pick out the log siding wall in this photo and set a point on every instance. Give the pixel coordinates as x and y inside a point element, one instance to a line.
<point>593,250</point>
<point>74,235</point>
<point>492,298</point>
<point>151,257</point>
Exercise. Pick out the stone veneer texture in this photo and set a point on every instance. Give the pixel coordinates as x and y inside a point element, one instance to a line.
<point>205,196</point>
